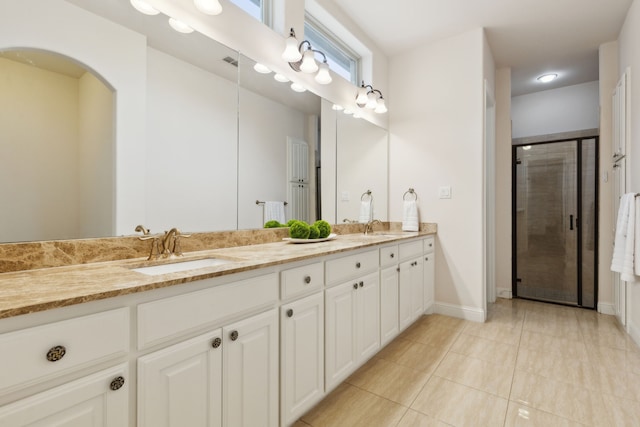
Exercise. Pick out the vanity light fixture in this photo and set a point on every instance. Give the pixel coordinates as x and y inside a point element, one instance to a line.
<point>304,60</point>
<point>281,78</point>
<point>208,7</point>
<point>260,68</point>
<point>180,26</point>
<point>546,78</point>
<point>368,97</point>
<point>144,7</point>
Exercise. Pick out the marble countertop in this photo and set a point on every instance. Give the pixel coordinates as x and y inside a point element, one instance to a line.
<point>30,291</point>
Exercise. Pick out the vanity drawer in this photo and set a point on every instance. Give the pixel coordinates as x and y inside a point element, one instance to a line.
<point>300,280</point>
<point>341,269</point>
<point>411,249</point>
<point>429,245</point>
<point>389,256</point>
<point>40,353</point>
<point>163,319</point>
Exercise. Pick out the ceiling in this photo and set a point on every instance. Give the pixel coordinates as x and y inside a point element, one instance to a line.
<point>530,36</point>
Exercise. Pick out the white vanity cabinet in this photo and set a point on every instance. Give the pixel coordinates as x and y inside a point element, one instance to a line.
<point>352,324</point>
<point>429,274</point>
<point>411,287</point>
<point>389,318</point>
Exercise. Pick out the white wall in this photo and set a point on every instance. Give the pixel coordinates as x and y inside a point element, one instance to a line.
<point>557,110</point>
<point>191,155</point>
<point>436,139</point>
<point>629,42</point>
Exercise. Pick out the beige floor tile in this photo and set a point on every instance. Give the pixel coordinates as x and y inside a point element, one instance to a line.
<point>476,373</point>
<point>558,367</point>
<point>394,350</point>
<point>350,406</point>
<point>485,349</point>
<point>620,383</point>
<point>445,321</point>
<point>622,412</point>
<point>494,332</point>
<point>519,415</point>
<point>563,347</point>
<point>415,419</point>
<point>435,335</point>
<point>301,423</point>
<point>610,358</point>
<point>390,380</point>
<point>559,398</point>
<point>460,405</point>
<point>555,325</point>
<point>422,357</point>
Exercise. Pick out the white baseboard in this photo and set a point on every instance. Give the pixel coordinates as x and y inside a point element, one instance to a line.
<point>429,309</point>
<point>606,308</point>
<point>504,293</point>
<point>461,312</point>
<point>634,331</point>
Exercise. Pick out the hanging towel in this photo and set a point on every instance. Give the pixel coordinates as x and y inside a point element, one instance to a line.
<point>410,220</point>
<point>274,210</point>
<point>366,211</point>
<point>625,242</point>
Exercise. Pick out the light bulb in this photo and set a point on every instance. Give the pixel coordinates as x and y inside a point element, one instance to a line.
<point>309,64</point>
<point>546,78</point>
<point>180,26</point>
<point>280,78</point>
<point>381,108</point>
<point>260,68</point>
<point>297,87</point>
<point>208,7</point>
<point>361,97</point>
<point>372,100</point>
<point>291,52</point>
<point>144,7</point>
<point>323,77</point>
<point>337,107</point>
<point>347,111</point>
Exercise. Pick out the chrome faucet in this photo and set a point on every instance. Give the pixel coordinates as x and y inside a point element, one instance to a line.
<point>369,226</point>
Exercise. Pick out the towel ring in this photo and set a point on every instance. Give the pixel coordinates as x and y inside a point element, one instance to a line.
<point>366,193</point>
<point>410,191</point>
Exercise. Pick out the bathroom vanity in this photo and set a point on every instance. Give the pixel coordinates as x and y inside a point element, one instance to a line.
<point>257,339</point>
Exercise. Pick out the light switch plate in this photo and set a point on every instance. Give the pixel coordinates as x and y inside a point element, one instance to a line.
<point>345,197</point>
<point>445,192</point>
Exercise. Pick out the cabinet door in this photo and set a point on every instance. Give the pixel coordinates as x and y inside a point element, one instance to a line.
<point>428,282</point>
<point>301,356</point>
<point>181,385</point>
<point>405,306</point>
<point>340,306</point>
<point>250,371</point>
<point>368,316</point>
<point>298,160</point>
<point>94,401</point>
<point>417,287</point>
<point>389,326</point>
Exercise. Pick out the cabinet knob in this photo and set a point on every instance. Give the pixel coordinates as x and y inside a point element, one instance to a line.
<point>361,284</point>
<point>430,245</point>
<point>355,286</point>
<point>426,258</point>
<point>290,313</point>
<point>117,383</point>
<point>307,279</point>
<point>392,255</point>
<point>233,335</point>
<point>357,264</point>
<point>217,342</point>
<point>398,269</point>
<point>56,353</point>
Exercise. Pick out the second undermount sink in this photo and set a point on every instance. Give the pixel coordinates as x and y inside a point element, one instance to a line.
<point>155,270</point>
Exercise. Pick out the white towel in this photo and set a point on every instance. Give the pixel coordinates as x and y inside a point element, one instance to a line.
<point>410,220</point>
<point>274,210</point>
<point>625,241</point>
<point>366,211</point>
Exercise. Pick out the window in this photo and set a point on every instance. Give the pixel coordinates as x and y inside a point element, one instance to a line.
<point>259,9</point>
<point>342,60</point>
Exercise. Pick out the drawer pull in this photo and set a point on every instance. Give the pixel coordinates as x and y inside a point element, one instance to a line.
<point>307,279</point>
<point>357,264</point>
<point>426,258</point>
<point>430,245</point>
<point>398,269</point>
<point>361,284</point>
<point>290,313</point>
<point>392,255</point>
<point>56,353</point>
<point>355,286</point>
<point>117,383</point>
<point>217,342</point>
<point>233,335</point>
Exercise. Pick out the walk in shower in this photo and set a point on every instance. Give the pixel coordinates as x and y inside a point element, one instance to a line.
<point>555,221</point>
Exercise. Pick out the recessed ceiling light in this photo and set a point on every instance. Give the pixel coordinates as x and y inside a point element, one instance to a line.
<point>297,87</point>
<point>337,107</point>
<point>262,69</point>
<point>280,78</point>
<point>526,147</point>
<point>144,7</point>
<point>180,26</point>
<point>546,78</point>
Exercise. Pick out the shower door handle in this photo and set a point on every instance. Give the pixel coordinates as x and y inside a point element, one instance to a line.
<point>570,222</point>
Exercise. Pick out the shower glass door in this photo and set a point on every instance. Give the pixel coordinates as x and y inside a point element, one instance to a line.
<point>552,217</point>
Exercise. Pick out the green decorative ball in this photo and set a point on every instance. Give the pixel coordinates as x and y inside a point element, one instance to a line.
<point>323,227</point>
<point>272,224</point>
<point>314,233</point>
<point>299,230</point>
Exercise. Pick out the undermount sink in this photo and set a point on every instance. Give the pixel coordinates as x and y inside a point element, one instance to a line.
<point>155,270</point>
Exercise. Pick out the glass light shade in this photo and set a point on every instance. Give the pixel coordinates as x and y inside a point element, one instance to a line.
<point>309,64</point>
<point>280,78</point>
<point>180,26</point>
<point>208,7</point>
<point>372,100</point>
<point>361,97</point>
<point>297,87</point>
<point>381,108</point>
<point>260,68</point>
<point>291,52</point>
<point>144,7</point>
<point>323,77</point>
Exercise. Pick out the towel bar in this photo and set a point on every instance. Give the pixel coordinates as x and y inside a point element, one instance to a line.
<point>258,202</point>
<point>366,193</point>
<point>410,191</point>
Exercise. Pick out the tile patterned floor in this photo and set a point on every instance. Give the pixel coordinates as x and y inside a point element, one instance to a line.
<point>530,364</point>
